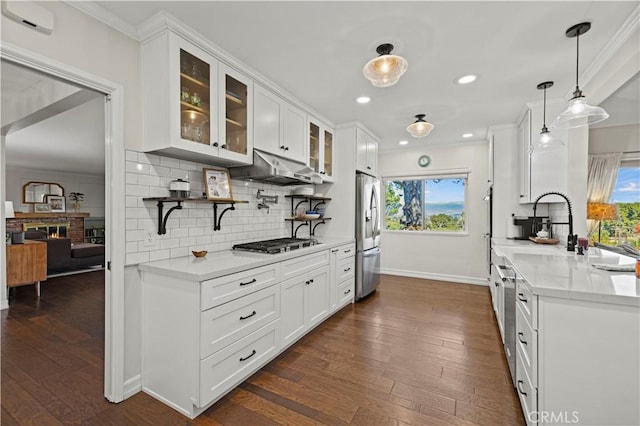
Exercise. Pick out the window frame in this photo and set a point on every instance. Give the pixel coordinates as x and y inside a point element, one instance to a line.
<point>457,174</point>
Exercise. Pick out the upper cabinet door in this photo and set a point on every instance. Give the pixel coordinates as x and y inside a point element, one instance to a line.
<point>524,158</point>
<point>267,110</point>
<point>320,148</point>
<point>366,153</point>
<point>236,121</point>
<point>314,146</point>
<point>327,157</point>
<point>294,130</point>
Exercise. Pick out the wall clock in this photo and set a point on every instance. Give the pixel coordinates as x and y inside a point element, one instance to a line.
<point>424,161</point>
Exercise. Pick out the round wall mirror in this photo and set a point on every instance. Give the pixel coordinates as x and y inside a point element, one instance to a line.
<point>36,192</point>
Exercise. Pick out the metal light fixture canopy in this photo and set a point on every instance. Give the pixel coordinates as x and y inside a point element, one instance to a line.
<point>579,113</point>
<point>420,128</point>
<point>546,141</point>
<point>386,69</point>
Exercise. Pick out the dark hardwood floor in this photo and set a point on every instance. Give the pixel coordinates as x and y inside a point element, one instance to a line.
<point>416,352</point>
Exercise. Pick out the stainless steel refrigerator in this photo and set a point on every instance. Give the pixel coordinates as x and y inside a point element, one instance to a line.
<point>368,219</point>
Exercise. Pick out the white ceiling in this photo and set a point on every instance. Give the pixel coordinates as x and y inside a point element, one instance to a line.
<point>316,51</point>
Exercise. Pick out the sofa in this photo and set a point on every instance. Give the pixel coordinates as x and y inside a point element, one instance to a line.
<point>65,256</point>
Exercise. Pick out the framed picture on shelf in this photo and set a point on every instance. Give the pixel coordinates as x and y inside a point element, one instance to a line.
<point>217,184</point>
<point>57,203</point>
<point>42,208</point>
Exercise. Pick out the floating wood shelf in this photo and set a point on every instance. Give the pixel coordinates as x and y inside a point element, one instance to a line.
<point>162,220</point>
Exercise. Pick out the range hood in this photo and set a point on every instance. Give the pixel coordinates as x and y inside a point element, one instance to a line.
<point>276,170</point>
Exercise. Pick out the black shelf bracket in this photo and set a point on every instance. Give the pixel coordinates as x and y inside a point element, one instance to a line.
<point>318,205</point>
<point>298,227</point>
<point>297,205</point>
<point>313,230</point>
<point>162,221</point>
<point>217,220</point>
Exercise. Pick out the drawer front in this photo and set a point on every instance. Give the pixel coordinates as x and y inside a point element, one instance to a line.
<point>223,325</point>
<point>346,251</point>
<point>528,302</point>
<point>302,264</point>
<point>226,368</point>
<point>346,291</point>
<point>527,393</point>
<point>527,341</point>
<point>346,269</point>
<point>221,290</point>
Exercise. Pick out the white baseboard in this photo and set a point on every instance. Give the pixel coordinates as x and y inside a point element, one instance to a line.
<point>132,386</point>
<point>438,277</point>
<point>4,304</point>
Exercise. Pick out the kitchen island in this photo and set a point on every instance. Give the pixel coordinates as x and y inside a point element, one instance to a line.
<point>209,323</point>
<point>577,335</point>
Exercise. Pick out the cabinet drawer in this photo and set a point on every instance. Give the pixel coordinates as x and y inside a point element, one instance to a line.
<point>223,325</point>
<point>221,290</point>
<point>302,264</point>
<point>528,303</point>
<point>346,290</point>
<point>346,269</point>
<point>346,251</point>
<point>527,393</point>
<point>226,368</point>
<point>527,341</point>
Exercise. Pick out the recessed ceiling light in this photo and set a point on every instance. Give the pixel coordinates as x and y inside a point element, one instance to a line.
<point>363,100</point>
<point>466,79</point>
<point>467,135</point>
<point>403,142</point>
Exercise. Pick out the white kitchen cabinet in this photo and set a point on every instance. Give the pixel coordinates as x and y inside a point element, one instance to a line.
<point>342,273</point>
<point>539,171</point>
<point>321,148</point>
<point>279,127</point>
<point>366,153</point>
<point>188,112</point>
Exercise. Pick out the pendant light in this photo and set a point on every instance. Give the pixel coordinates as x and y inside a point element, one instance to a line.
<point>546,141</point>
<point>579,113</point>
<point>386,69</point>
<point>420,128</point>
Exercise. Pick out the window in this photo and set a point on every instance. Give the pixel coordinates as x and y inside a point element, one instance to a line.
<point>626,195</point>
<point>434,204</point>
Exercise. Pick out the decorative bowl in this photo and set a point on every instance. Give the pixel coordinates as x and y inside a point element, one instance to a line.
<point>312,216</point>
<point>199,253</point>
<point>311,212</point>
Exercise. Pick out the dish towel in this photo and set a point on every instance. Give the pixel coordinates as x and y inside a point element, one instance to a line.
<point>630,267</point>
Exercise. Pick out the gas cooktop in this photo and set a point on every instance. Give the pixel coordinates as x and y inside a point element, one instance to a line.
<point>278,245</point>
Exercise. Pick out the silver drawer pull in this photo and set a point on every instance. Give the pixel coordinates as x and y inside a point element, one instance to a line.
<point>520,389</point>
<point>347,270</point>
<point>348,291</point>
<point>522,298</point>
<point>248,356</point>
<point>521,338</point>
<point>248,316</point>
<point>249,282</point>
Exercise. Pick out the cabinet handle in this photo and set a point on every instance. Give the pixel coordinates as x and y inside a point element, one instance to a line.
<point>335,251</point>
<point>368,168</point>
<point>520,389</point>
<point>521,338</point>
<point>347,251</point>
<point>306,282</point>
<point>253,352</point>
<point>248,316</point>
<point>286,148</point>
<point>249,282</point>
<point>522,298</point>
<point>224,147</point>
<point>347,270</point>
<point>521,196</point>
<point>322,173</point>
<point>311,280</point>
<point>348,291</point>
<point>215,144</point>
<point>281,146</point>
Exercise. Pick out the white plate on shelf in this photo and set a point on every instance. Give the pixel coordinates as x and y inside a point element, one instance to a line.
<point>312,216</point>
<point>303,191</point>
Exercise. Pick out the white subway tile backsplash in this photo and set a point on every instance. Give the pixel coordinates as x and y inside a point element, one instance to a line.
<point>131,155</point>
<point>131,201</point>
<point>159,255</point>
<point>131,178</point>
<point>180,252</point>
<point>169,162</point>
<point>131,247</point>
<point>135,258</point>
<point>170,243</point>
<point>139,190</point>
<point>148,180</point>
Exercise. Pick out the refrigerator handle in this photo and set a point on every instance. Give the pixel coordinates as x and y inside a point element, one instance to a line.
<point>373,205</point>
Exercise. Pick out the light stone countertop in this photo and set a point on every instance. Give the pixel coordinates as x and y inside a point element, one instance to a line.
<point>550,270</point>
<point>218,264</point>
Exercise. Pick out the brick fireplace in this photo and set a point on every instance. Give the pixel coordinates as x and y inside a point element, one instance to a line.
<point>75,221</point>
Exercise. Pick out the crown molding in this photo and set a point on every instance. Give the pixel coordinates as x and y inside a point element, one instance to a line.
<point>101,14</point>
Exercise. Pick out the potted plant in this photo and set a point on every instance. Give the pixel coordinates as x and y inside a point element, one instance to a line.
<point>76,197</point>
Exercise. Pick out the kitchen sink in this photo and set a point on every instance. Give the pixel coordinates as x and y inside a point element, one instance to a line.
<point>557,250</point>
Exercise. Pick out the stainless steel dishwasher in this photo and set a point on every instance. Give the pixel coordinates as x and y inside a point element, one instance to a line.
<point>509,309</point>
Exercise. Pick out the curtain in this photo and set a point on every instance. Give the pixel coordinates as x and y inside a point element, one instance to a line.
<point>603,172</point>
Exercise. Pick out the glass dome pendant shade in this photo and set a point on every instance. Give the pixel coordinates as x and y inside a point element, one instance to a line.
<point>546,141</point>
<point>579,113</point>
<point>420,128</point>
<point>386,69</point>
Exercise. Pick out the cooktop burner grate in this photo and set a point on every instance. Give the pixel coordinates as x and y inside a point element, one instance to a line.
<point>278,245</point>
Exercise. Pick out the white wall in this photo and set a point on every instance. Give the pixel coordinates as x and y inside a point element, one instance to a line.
<point>445,257</point>
<point>90,185</point>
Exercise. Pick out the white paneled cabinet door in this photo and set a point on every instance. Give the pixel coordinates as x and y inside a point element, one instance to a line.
<point>524,159</point>
<point>317,297</point>
<point>320,148</point>
<point>294,129</point>
<point>293,312</point>
<point>236,120</point>
<point>366,153</point>
<point>267,110</point>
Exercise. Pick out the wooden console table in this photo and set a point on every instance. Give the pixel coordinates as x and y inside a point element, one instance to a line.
<point>27,264</point>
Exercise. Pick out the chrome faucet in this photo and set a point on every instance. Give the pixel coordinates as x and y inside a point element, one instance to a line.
<point>263,205</point>
<point>572,240</point>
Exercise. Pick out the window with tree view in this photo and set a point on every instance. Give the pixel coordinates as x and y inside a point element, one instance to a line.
<point>425,204</point>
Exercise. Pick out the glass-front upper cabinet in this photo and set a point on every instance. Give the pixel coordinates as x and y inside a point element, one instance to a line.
<point>236,96</point>
<point>321,148</point>
<point>195,99</point>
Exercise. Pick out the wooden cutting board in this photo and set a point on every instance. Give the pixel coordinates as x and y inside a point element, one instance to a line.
<point>544,240</point>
